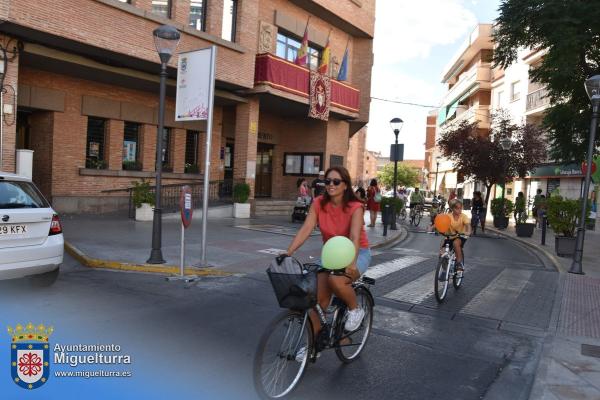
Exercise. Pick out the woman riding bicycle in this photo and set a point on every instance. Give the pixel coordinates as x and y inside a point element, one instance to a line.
<point>460,227</point>
<point>338,213</point>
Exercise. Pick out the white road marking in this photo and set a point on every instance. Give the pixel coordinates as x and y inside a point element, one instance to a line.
<point>272,251</point>
<point>416,291</point>
<point>388,267</point>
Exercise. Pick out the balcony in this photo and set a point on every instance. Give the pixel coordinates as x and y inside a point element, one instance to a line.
<point>479,114</point>
<point>478,76</point>
<point>288,77</point>
<point>537,100</point>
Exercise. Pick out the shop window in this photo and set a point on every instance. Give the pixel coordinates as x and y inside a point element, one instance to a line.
<point>229,20</point>
<point>191,152</point>
<point>198,14</point>
<point>167,165</point>
<point>303,163</point>
<point>162,8</point>
<point>95,143</point>
<point>287,47</point>
<point>131,147</point>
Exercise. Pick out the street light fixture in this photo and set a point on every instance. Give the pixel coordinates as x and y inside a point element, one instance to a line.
<point>437,169</point>
<point>166,38</point>
<point>396,124</point>
<point>592,87</point>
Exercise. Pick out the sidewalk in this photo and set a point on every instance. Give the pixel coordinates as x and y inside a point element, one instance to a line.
<point>569,367</point>
<point>233,246</point>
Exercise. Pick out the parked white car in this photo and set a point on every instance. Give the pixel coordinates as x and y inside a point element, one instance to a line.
<point>31,239</point>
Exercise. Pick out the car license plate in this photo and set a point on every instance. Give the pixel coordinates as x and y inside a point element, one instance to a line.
<point>6,230</point>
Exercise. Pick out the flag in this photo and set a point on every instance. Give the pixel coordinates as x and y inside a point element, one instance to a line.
<point>343,73</point>
<point>302,55</point>
<point>324,65</point>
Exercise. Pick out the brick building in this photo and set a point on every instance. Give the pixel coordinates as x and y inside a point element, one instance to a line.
<point>81,91</point>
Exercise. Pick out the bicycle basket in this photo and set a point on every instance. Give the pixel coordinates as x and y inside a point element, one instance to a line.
<point>297,291</point>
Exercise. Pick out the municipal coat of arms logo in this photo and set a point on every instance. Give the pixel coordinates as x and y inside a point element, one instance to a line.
<point>30,355</point>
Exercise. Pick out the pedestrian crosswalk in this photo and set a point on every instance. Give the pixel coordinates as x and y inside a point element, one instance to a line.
<point>395,265</point>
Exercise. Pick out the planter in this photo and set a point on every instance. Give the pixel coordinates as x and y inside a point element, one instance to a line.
<point>241,210</point>
<point>564,246</point>
<point>144,213</point>
<point>525,229</point>
<point>501,222</point>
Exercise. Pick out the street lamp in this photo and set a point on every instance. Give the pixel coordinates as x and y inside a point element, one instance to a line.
<point>506,144</point>
<point>592,87</point>
<point>166,38</point>
<point>396,125</point>
<point>437,169</point>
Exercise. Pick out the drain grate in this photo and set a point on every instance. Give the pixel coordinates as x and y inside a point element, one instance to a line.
<point>590,350</point>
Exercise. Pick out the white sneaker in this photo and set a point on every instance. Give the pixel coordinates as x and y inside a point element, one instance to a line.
<point>354,319</point>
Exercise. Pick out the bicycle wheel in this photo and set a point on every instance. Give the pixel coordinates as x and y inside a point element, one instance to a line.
<point>357,339</point>
<point>441,287</point>
<point>276,370</point>
<point>403,214</point>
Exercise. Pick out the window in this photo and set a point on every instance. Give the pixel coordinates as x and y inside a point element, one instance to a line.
<point>96,132</point>
<point>288,47</point>
<point>166,150</point>
<point>514,91</point>
<point>198,14</point>
<point>131,147</point>
<point>17,194</point>
<point>499,99</point>
<point>191,152</point>
<point>303,163</point>
<point>162,8</point>
<point>229,18</point>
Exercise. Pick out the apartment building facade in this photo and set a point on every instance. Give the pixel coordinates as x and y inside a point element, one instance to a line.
<point>527,101</point>
<point>468,77</point>
<point>81,84</point>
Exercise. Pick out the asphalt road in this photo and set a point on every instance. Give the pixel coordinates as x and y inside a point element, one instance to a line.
<point>199,339</point>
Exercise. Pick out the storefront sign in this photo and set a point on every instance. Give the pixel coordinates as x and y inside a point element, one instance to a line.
<point>554,170</point>
<point>193,85</point>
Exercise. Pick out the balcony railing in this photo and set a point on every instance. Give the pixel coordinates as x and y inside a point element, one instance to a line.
<point>537,99</point>
<point>289,77</point>
<point>480,72</point>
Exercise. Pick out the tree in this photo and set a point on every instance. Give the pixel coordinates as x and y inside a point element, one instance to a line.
<point>480,156</point>
<point>407,176</point>
<point>570,33</point>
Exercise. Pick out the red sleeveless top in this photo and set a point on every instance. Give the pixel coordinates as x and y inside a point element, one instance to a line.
<point>336,221</point>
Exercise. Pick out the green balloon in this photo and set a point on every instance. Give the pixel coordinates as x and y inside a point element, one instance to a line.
<point>337,253</point>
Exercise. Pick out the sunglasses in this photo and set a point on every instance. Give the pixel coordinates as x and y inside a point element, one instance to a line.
<point>335,181</point>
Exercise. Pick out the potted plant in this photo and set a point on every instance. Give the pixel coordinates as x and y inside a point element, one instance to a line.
<point>522,227</point>
<point>241,193</point>
<point>395,203</point>
<point>501,209</point>
<point>143,200</point>
<point>563,216</point>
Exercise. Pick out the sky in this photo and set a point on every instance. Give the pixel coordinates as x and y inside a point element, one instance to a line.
<point>414,41</point>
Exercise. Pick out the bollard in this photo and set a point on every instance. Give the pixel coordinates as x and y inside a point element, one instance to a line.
<point>392,216</point>
<point>544,224</point>
<point>385,218</point>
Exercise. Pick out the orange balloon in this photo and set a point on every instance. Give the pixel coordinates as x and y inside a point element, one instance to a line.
<point>442,223</point>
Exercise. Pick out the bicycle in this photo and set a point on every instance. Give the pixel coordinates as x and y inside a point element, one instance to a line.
<point>288,343</point>
<point>416,213</point>
<point>402,214</point>
<point>446,268</point>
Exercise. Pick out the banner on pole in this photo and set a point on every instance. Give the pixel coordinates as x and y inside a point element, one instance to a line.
<point>320,96</point>
<point>193,85</point>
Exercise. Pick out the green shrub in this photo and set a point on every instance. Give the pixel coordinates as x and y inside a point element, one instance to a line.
<point>563,215</point>
<point>241,192</point>
<point>132,166</point>
<point>502,207</point>
<point>397,203</point>
<point>192,169</point>
<point>142,193</point>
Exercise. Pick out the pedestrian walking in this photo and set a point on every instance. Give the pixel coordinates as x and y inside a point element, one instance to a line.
<point>373,201</point>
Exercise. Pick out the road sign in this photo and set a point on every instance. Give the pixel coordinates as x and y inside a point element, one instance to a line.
<point>186,205</point>
<point>397,152</point>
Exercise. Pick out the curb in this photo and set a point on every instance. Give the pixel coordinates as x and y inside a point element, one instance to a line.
<point>123,266</point>
<point>397,239</point>
<point>551,257</point>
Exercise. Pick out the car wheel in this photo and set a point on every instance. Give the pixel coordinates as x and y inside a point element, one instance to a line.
<point>46,279</point>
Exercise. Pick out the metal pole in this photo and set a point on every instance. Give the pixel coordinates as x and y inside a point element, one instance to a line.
<point>209,124</point>
<point>576,266</point>
<point>393,210</point>
<point>156,254</point>
<point>182,254</point>
<point>437,168</point>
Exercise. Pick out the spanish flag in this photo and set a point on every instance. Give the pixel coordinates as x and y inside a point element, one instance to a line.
<point>324,65</point>
<point>302,55</point>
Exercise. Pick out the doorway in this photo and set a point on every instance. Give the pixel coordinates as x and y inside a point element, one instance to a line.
<point>264,170</point>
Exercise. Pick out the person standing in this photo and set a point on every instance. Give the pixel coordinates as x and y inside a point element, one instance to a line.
<point>373,201</point>
<point>478,211</point>
<point>536,205</point>
<point>318,185</point>
<point>520,208</point>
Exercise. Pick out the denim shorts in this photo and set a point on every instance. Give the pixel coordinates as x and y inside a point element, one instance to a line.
<point>362,261</point>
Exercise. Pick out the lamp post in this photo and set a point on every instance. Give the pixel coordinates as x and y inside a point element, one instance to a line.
<point>437,169</point>
<point>166,38</point>
<point>592,87</point>
<point>506,144</point>
<point>396,124</point>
